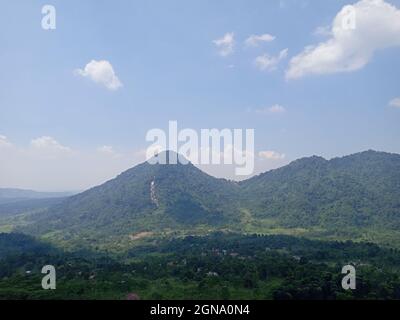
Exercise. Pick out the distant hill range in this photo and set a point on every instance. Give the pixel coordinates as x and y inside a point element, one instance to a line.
<point>352,193</point>
<point>15,201</point>
<point>8,195</point>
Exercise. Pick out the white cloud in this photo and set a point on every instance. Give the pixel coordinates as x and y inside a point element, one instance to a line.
<point>108,150</point>
<point>395,103</point>
<point>4,142</point>
<point>47,143</point>
<point>275,109</point>
<point>101,72</point>
<point>358,31</point>
<point>254,40</point>
<point>269,63</point>
<point>226,44</point>
<point>271,155</point>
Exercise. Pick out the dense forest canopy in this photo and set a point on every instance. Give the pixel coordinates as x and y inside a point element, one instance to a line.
<point>218,266</point>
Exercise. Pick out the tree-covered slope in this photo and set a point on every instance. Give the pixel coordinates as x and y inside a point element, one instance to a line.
<point>358,192</point>
<point>146,197</point>
<point>361,190</point>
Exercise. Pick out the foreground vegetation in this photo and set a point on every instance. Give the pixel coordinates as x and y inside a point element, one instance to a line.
<point>218,266</point>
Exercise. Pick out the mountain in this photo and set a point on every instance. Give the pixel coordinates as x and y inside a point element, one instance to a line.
<point>360,190</point>
<point>353,193</point>
<point>18,201</point>
<point>146,197</point>
<point>9,195</point>
<point>27,205</point>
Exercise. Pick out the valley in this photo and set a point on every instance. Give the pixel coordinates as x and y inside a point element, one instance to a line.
<point>218,266</point>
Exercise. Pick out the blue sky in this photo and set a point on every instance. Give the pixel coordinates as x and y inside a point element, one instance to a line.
<point>170,69</point>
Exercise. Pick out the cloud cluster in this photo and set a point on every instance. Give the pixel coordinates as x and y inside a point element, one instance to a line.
<point>357,32</point>
<point>271,155</point>
<point>270,63</point>
<point>101,72</point>
<point>395,103</point>
<point>226,47</point>
<point>108,150</point>
<point>47,143</point>
<point>226,44</point>
<point>275,109</point>
<point>4,142</point>
<point>255,40</point>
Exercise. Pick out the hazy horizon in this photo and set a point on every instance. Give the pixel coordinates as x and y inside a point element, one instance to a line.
<point>204,168</point>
